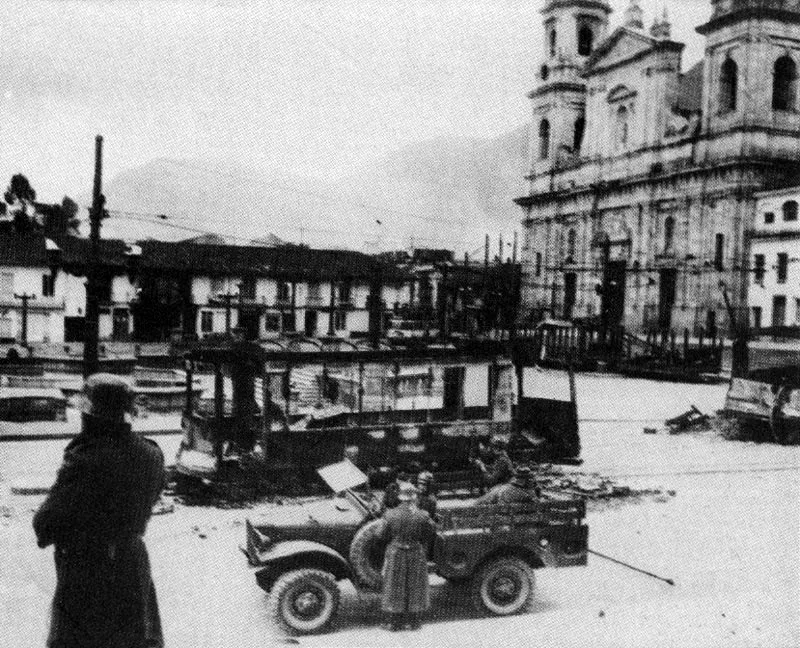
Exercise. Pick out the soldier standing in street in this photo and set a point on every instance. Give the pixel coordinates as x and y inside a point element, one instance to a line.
<point>409,531</point>
<point>95,515</point>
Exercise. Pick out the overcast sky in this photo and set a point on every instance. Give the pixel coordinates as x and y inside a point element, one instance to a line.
<point>310,87</point>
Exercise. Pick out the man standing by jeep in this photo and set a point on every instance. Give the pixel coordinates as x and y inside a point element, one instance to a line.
<point>95,515</point>
<point>409,531</point>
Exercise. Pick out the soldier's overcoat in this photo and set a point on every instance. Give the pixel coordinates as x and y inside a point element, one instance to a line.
<point>95,515</point>
<point>409,531</point>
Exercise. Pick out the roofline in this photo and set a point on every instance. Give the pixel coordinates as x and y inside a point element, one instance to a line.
<point>769,193</point>
<point>557,86</point>
<point>602,5</point>
<point>748,13</point>
<point>609,186</point>
<point>657,46</point>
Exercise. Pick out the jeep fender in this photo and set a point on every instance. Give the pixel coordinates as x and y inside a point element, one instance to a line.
<point>297,554</point>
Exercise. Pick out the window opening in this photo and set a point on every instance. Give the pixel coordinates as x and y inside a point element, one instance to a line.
<point>577,138</point>
<point>783,267</point>
<point>790,210</point>
<point>669,233</point>
<point>544,139</point>
<point>585,40</point>
<point>729,78</point>
<point>784,84</point>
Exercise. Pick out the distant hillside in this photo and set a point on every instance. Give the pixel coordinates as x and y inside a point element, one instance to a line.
<point>440,193</point>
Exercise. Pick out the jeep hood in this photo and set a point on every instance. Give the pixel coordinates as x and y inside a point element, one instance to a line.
<point>320,513</point>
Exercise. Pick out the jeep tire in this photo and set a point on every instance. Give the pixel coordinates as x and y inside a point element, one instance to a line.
<point>366,555</point>
<point>303,601</point>
<point>503,586</point>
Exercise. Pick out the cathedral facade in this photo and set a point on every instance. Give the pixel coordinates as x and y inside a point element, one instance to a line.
<point>642,179</point>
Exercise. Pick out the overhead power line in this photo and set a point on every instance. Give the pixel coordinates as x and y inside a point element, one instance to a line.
<point>163,220</point>
<point>320,196</point>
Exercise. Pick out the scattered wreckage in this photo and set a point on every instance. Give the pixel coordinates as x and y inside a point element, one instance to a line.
<point>766,404</point>
<point>401,409</point>
<point>301,551</point>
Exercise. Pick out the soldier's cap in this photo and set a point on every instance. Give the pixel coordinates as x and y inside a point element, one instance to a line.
<point>108,397</point>
<point>425,477</point>
<point>522,475</point>
<point>407,492</point>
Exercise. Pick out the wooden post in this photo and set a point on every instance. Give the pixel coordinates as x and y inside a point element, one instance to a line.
<point>671,345</point>
<point>360,390</point>
<point>91,320</point>
<point>266,408</point>
<point>685,346</point>
<point>189,384</point>
<point>287,390</point>
<point>219,407</point>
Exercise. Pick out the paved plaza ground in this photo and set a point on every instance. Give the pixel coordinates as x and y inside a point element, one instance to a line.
<point>729,537</point>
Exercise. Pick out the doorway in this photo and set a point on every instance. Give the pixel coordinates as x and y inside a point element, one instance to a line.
<point>614,293</point>
<point>120,324</point>
<point>668,280</point>
<point>248,323</point>
<point>779,311</point>
<point>310,324</point>
<point>570,294</point>
<point>453,396</point>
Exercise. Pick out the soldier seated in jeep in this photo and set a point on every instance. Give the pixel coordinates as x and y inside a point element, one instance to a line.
<point>519,490</point>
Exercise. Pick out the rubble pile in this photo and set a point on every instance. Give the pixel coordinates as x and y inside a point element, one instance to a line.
<point>592,486</point>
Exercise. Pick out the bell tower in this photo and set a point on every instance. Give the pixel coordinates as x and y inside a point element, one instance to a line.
<point>572,31</point>
<point>751,104</point>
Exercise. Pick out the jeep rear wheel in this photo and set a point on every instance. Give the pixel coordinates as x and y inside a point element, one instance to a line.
<point>503,586</point>
<point>303,601</point>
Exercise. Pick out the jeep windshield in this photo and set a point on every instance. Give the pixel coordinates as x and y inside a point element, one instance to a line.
<point>342,478</point>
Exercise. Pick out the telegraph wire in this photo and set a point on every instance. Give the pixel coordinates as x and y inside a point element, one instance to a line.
<point>161,219</point>
<point>323,197</point>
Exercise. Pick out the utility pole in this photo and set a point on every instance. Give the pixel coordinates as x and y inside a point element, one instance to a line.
<point>91,326</point>
<point>25,297</point>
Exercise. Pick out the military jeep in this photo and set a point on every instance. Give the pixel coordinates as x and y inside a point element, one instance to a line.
<point>301,551</point>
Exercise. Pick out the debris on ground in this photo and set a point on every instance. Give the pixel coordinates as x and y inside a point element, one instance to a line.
<point>693,419</point>
<point>591,486</point>
<point>163,506</point>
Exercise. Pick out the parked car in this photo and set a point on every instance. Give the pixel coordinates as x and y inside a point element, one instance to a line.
<point>301,551</point>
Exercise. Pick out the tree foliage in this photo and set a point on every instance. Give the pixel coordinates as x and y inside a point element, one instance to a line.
<point>20,196</point>
<point>28,215</point>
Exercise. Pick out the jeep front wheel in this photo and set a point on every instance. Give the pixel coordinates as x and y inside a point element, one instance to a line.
<point>303,601</point>
<point>503,586</point>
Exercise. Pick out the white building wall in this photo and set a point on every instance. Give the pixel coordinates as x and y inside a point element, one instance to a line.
<point>771,239</point>
<point>45,314</point>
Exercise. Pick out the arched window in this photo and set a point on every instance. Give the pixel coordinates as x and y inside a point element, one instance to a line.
<point>784,84</point>
<point>669,233</point>
<point>553,41</point>
<point>572,245</point>
<point>544,139</point>
<point>622,126</point>
<point>585,40</point>
<point>728,81</point>
<point>577,136</point>
<point>790,210</point>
